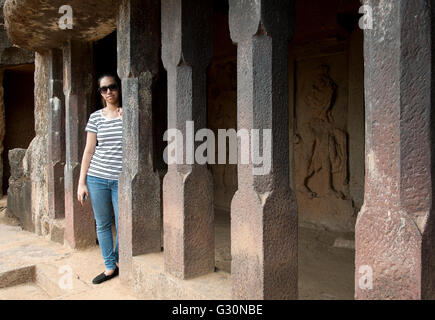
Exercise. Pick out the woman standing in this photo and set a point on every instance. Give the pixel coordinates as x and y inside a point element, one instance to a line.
<point>100,169</point>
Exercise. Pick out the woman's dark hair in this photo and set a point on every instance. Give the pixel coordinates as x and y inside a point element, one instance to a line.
<point>118,82</point>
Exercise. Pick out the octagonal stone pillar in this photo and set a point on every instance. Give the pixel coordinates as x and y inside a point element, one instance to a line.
<point>395,244</point>
<point>56,137</point>
<point>263,210</point>
<point>188,217</point>
<point>77,86</point>
<point>2,126</point>
<point>139,183</point>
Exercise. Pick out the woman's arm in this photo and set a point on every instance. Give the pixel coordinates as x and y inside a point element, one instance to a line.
<point>91,142</point>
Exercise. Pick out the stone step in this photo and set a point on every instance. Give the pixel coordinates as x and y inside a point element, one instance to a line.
<point>27,291</point>
<point>59,280</point>
<point>54,280</point>
<point>16,276</point>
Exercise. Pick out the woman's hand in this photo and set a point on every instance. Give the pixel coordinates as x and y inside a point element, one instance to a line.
<point>82,191</point>
<point>120,113</point>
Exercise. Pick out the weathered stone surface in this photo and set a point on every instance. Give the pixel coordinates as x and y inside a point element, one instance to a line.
<point>36,160</point>
<point>19,191</point>
<point>140,222</point>
<point>187,188</point>
<point>57,231</point>
<point>34,24</point>
<point>56,137</point>
<point>321,148</point>
<point>16,161</point>
<point>2,126</point>
<point>395,253</point>
<point>263,210</point>
<point>77,86</point>
<point>10,54</point>
<point>15,56</point>
<point>17,276</point>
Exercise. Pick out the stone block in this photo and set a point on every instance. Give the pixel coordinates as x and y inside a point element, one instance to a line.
<point>19,191</point>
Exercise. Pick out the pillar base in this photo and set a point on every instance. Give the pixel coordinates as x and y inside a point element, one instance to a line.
<point>264,235</point>
<point>150,281</point>
<point>188,222</point>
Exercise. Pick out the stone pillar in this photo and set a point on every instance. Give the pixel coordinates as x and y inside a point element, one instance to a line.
<point>77,87</point>
<point>263,210</point>
<point>2,129</point>
<point>56,137</point>
<point>395,248</point>
<point>139,183</point>
<point>188,217</point>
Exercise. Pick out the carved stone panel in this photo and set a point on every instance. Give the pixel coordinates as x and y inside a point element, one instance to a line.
<point>320,142</point>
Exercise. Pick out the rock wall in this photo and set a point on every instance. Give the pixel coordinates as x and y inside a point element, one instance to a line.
<point>321,149</point>
<point>327,131</point>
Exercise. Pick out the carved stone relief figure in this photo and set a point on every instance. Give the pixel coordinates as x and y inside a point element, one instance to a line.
<point>321,147</point>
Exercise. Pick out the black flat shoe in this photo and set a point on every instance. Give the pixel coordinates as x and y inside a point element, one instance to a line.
<point>102,277</point>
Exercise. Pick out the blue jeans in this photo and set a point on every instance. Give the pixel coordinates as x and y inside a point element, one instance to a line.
<point>104,194</point>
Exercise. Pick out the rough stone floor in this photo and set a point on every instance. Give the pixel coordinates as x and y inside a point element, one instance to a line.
<point>33,267</point>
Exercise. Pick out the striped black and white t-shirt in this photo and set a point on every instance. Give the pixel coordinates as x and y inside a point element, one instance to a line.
<point>106,161</point>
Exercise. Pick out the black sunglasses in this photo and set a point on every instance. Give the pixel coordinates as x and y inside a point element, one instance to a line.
<point>112,87</point>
